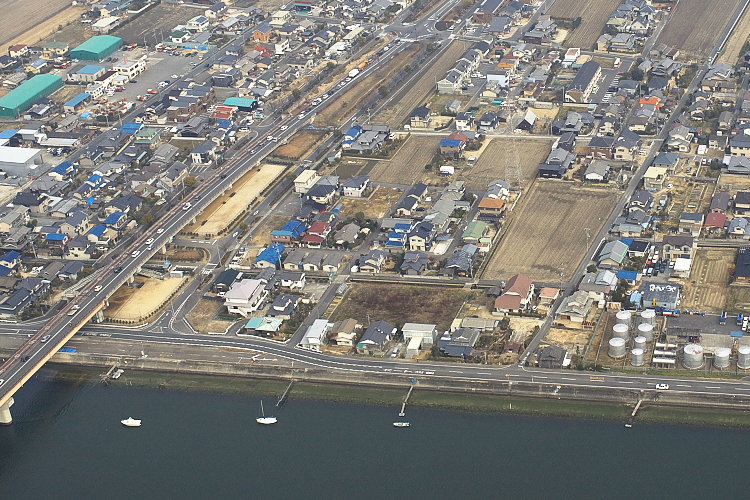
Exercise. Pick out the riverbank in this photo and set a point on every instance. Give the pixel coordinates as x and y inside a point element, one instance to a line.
<point>384,396</point>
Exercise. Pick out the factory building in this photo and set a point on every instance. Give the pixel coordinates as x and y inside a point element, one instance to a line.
<point>96,48</point>
<point>25,95</point>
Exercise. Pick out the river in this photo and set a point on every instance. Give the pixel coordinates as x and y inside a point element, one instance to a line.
<point>67,442</point>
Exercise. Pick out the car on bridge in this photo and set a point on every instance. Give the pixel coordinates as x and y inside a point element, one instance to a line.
<point>135,254</point>
<point>149,241</point>
<point>44,339</point>
<point>662,387</point>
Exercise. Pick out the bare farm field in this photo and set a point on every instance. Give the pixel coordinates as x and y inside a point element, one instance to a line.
<point>407,165</point>
<point>420,90</point>
<point>733,48</point>
<point>300,145</point>
<point>207,316</point>
<point>346,104</point>
<point>399,304</point>
<point>545,235</point>
<point>225,209</point>
<point>695,41</point>
<point>28,22</point>
<point>708,288</point>
<point>498,156</point>
<point>594,16</point>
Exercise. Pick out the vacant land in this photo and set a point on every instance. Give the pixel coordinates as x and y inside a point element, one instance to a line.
<point>225,209</point>
<point>209,316</point>
<point>133,304</point>
<point>594,16</point>
<point>399,304</point>
<point>733,48</point>
<point>29,22</point>
<point>419,89</point>
<point>546,233</point>
<point>262,236</point>
<point>376,206</point>
<point>345,105</point>
<point>498,161</point>
<point>349,167</point>
<point>709,278</point>
<point>407,165</point>
<point>570,339</point>
<point>682,32</point>
<point>300,144</point>
<point>154,24</point>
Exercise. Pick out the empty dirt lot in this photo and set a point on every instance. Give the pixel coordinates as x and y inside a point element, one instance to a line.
<point>225,209</point>
<point>25,21</point>
<point>407,165</point>
<point>546,232</point>
<point>300,145</point>
<point>422,87</point>
<point>707,287</point>
<point>497,158</point>
<point>593,14</point>
<point>345,105</point>
<point>376,206</point>
<point>162,18</point>
<point>695,41</point>
<point>399,304</point>
<point>133,304</point>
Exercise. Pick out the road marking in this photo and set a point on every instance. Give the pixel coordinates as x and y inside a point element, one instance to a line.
<point>742,388</point>
<point>626,381</point>
<point>539,376</point>
<point>713,387</point>
<point>682,385</point>
<point>455,371</point>
<point>566,378</point>
<point>484,373</point>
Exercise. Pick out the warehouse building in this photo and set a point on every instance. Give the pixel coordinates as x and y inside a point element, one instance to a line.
<point>96,48</point>
<point>25,95</point>
<point>22,162</point>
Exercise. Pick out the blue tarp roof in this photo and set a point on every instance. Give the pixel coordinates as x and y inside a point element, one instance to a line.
<point>90,200</point>
<point>75,101</point>
<point>627,241</point>
<point>271,254</point>
<point>98,230</point>
<point>64,168</point>
<point>450,143</point>
<point>627,275</point>
<point>113,218</point>
<point>56,236</point>
<point>131,127</point>
<point>354,131</point>
<point>224,123</point>
<point>7,134</point>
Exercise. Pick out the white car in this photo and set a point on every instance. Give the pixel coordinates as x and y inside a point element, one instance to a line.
<point>97,288</point>
<point>135,254</point>
<point>662,387</point>
<point>160,230</point>
<point>301,116</point>
<point>149,241</point>
<point>284,127</point>
<point>187,206</point>
<point>269,138</point>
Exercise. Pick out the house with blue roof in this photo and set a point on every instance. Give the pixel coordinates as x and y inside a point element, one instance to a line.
<point>131,127</point>
<point>5,271</point>
<point>452,148</point>
<point>95,180</point>
<point>630,276</point>
<point>396,239</point>
<point>116,220</point>
<point>10,259</point>
<point>76,103</point>
<point>271,256</point>
<point>99,235</point>
<point>292,230</point>
<point>352,133</point>
<point>65,170</point>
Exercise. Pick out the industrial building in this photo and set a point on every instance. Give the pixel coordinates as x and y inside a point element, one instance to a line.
<point>20,161</point>
<point>25,95</point>
<point>96,48</point>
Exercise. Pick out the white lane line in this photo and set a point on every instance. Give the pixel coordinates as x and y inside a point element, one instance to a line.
<point>455,371</point>
<point>625,381</point>
<point>539,376</point>
<point>743,389</point>
<point>713,387</point>
<point>566,378</point>
<point>484,373</point>
<point>682,385</point>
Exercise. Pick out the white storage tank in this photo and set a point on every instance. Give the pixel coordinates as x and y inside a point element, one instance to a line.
<point>743,357</point>
<point>649,317</point>
<point>617,348</point>
<point>636,357</point>
<point>693,356</point>
<point>647,331</point>
<point>721,357</point>
<point>620,331</point>
<point>623,317</point>
<point>639,342</point>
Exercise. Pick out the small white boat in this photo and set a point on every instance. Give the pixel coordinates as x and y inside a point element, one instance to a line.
<point>264,419</point>
<point>401,424</point>
<point>131,422</point>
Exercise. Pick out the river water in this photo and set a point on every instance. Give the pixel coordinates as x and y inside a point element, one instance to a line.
<point>67,442</point>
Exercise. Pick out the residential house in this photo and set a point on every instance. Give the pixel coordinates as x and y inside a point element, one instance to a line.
<point>575,308</point>
<point>677,247</point>
<point>245,296</point>
<point>375,338</point>
<point>316,334</point>
<point>345,332</point>
<point>516,295</point>
<point>612,254</point>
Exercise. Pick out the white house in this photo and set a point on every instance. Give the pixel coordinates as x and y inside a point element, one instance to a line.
<point>245,296</point>
<point>316,334</point>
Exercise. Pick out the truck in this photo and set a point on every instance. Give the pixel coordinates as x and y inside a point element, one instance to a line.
<point>353,73</point>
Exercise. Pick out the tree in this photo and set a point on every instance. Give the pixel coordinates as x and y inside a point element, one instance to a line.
<point>147,219</point>
<point>296,93</point>
<point>591,268</point>
<point>190,181</point>
<point>383,91</point>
